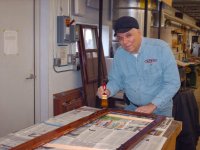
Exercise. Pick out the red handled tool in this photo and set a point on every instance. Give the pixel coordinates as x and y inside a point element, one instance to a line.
<point>104,100</point>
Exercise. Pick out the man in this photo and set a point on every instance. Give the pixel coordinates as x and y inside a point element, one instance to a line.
<point>144,68</point>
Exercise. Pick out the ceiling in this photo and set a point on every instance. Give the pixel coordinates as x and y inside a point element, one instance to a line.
<point>189,7</point>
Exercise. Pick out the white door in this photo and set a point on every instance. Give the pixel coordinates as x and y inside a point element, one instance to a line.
<point>16,65</point>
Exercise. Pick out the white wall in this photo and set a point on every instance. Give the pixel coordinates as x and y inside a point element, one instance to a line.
<point>59,82</point>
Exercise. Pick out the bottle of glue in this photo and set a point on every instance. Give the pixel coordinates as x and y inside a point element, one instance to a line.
<point>104,100</point>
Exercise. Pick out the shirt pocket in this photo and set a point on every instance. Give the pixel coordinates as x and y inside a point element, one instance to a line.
<point>152,75</point>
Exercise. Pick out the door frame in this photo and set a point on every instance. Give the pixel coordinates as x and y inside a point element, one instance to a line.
<point>41,42</point>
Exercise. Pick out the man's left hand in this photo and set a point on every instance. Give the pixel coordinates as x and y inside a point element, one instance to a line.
<point>149,108</point>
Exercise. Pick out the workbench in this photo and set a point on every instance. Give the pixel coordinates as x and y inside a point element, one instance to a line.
<point>56,124</point>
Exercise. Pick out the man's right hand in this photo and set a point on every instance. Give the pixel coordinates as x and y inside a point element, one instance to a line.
<point>101,91</point>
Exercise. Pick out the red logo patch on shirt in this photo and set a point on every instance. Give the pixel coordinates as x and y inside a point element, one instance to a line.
<point>150,61</point>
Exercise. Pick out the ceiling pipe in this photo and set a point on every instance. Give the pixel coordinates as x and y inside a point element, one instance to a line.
<point>181,21</point>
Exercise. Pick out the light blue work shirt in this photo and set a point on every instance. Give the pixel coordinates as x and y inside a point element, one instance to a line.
<point>151,77</point>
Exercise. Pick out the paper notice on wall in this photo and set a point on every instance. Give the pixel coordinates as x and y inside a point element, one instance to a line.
<point>10,42</point>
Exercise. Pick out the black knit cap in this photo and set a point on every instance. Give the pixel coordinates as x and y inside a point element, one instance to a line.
<point>124,24</point>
